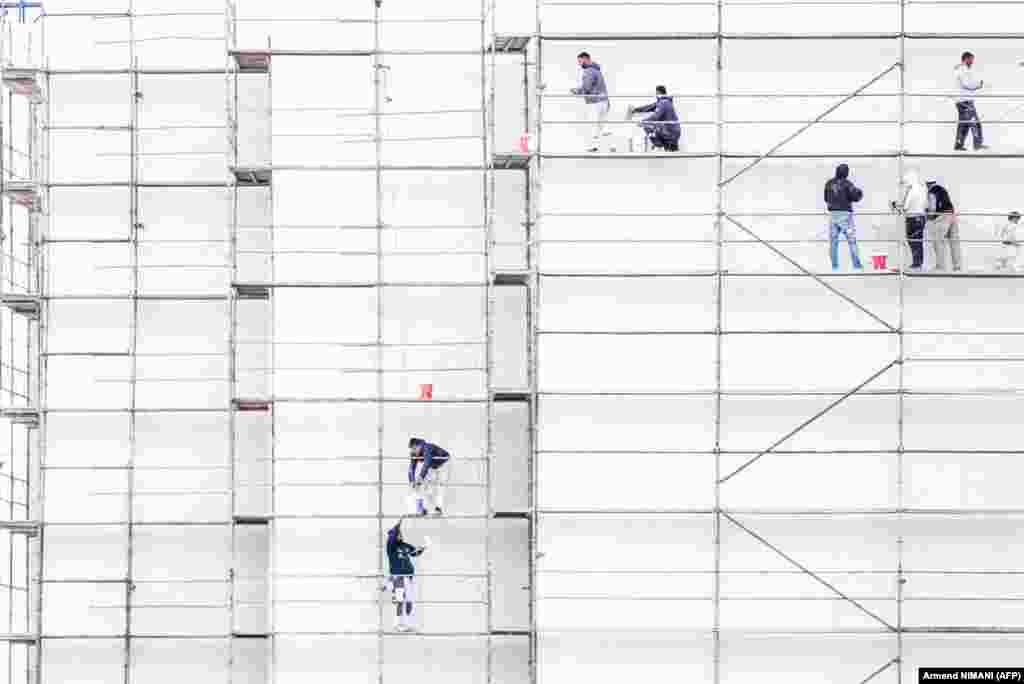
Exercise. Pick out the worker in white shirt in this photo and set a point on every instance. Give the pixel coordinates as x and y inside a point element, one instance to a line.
<point>966,113</point>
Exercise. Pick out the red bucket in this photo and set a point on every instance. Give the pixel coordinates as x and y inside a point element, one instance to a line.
<point>426,391</point>
<point>878,261</point>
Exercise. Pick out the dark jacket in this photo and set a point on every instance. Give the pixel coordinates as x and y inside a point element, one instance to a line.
<point>840,192</point>
<point>433,458</point>
<point>663,110</point>
<point>399,554</point>
<point>939,201</point>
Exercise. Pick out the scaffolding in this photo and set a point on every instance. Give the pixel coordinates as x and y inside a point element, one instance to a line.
<point>164,403</point>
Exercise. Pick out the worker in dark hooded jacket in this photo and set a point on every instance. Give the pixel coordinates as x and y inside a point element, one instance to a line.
<point>662,126</point>
<point>428,475</point>
<point>401,581</point>
<point>840,196</point>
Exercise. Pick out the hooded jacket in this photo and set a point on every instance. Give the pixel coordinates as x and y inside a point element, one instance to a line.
<point>915,195</point>
<point>840,192</point>
<point>663,110</point>
<point>966,84</point>
<point>939,201</point>
<point>400,554</point>
<point>592,84</point>
<point>433,457</point>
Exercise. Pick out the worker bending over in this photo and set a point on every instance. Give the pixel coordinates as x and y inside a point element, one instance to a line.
<point>428,475</point>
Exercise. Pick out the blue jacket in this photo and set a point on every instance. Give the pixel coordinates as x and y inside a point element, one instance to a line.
<point>400,554</point>
<point>663,110</point>
<point>593,85</point>
<point>433,458</point>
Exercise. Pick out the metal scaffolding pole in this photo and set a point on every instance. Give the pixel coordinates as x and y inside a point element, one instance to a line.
<point>720,189</point>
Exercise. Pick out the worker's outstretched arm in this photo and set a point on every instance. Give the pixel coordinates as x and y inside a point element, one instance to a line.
<point>412,471</point>
<point>645,108</point>
<point>411,550</point>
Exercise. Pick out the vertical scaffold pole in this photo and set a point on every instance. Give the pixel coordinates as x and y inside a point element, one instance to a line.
<point>378,147</point>
<point>133,344</point>
<point>535,185</point>
<point>486,103</point>
<point>900,580</point>
<point>719,296</point>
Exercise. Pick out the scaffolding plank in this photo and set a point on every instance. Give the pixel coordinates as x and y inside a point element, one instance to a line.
<point>21,415</point>
<point>510,43</point>
<point>24,82</point>
<point>252,61</point>
<point>511,277</point>
<point>251,291</point>
<point>511,515</point>
<point>251,519</point>
<point>511,395</point>
<point>24,304</point>
<point>252,175</point>
<point>255,405</point>
<point>23,193</point>
<point>16,638</point>
<point>511,161</point>
<point>27,527</point>
<point>511,632</point>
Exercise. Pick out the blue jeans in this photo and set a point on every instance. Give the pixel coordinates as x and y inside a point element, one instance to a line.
<point>841,223</point>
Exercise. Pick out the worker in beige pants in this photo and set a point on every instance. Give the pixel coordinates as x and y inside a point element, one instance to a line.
<point>944,230</point>
<point>943,227</point>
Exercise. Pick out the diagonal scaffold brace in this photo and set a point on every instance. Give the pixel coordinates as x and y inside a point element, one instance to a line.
<point>812,419</point>
<point>846,298</point>
<point>879,671</point>
<point>809,573</point>
<point>806,126</point>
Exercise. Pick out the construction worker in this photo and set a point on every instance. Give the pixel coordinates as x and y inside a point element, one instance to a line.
<point>595,93</point>
<point>662,126</point>
<point>401,581</point>
<point>428,475</point>
<point>1010,241</point>
<point>914,207</point>
<point>943,227</point>
<point>966,113</point>
<point>840,196</point>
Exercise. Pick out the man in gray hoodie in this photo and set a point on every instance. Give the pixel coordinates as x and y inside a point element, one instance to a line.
<point>595,93</point>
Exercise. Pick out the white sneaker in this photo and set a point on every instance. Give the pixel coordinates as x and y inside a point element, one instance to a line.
<point>403,628</point>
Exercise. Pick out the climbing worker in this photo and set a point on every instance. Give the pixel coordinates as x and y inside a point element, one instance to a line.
<point>914,207</point>
<point>428,475</point>
<point>662,126</point>
<point>840,196</point>
<point>943,227</point>
<point>1010,241</point>
<point>401,581</point>
<point>966,113</point>
<point>592,87</point>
